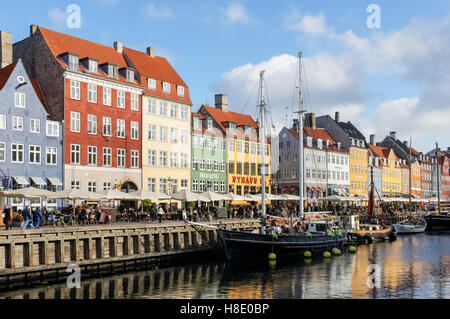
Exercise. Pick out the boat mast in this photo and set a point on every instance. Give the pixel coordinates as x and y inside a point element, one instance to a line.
<point>263,154</point>
<point>410,163</point>
<point>437,176</point>
<point>300,136</point>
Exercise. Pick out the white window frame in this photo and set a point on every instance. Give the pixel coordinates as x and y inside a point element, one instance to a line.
<point>75,90</point>
<point>73,63</point>
<point>151,106</point>
<point>183,112</point>
<point>121,99</point>
<point>20,150</point>
<point>2,121</point>
<point>152,132</point>
<point>151,158</point>
<point>52,128</point>
<point>184,160</point>
<point>195,185</point>
<point>92,186</point>
<point>35,126</point>
<point>75,149</point>
<point>134,127</point>
<point>174,110</point>
<point>166,87</point>
<point>92,154</point>
<point>163,133</point>
<point>20,100</point>
<point>162,108</point>
<point>121,128</point>
<point>107,96</point>
<point>75,184</point>
<point>2,152</point>
<point>151,83</point>
<point>107,126</point>
<point>53,152</point>
<point>121,157</point>
<point>173,135</point>
<point>92,93</point>
<point>17,123</point>
<point>180,90</point>
<point>134,102</point>
<point>107,156</point>
<point>92,124</point>
<point>151,184</point>
<point>93,66</point>
<point>75,122</point>
<point>162,158</point>
<point>134,159</point>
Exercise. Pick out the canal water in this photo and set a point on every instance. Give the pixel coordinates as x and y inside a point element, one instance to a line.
<point>414,266</point>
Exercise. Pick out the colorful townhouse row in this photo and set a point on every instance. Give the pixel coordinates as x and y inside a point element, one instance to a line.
<point>339,161</point>
<point>82,115</point>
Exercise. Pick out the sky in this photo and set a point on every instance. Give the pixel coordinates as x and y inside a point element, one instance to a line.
<point>385,70</point>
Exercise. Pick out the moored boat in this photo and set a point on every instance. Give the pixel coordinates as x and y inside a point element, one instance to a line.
<point>410,226</point>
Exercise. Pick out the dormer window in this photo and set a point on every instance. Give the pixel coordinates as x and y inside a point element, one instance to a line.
<point>93,66</point>
<point>210,124</point>
<point>309,141</point>
<point>130,75</point>
<point>232,128</point>
<point>248,131</point>
<point>151,83</point>
<point>112,71</point>
<point>196,123</point>
<point>180,91</point>
<point>73,62</point>
<point>166,87</point>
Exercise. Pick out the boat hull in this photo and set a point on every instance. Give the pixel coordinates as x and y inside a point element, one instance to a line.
<point>242,245</point>
<point>437,223</point>
<point>370,236</point>
<point>401,228</point>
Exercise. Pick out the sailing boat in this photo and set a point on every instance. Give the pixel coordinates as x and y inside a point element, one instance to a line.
<point>440,222</point>
<point>259,244</point>
<point>410,225</point>
<point>373,231</point>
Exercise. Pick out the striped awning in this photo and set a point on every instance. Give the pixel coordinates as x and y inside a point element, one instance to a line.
<point>21,180</point>
<point>38,181</point>
<point>55,181</point>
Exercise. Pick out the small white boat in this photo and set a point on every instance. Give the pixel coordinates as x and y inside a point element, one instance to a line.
<point>410,227</point>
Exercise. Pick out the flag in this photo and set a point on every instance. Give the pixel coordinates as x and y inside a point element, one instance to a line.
<point>330,233</point>
<point>308,233</point>
<point>339,232</point>
<point>274,233</point>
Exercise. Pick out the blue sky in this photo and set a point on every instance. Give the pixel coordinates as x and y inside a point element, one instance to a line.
<point>377,78</point>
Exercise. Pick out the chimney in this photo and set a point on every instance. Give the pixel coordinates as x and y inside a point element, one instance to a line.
<point>33,29</point>
<point>222,102</point>
<point>337,117</point>
<point>151,51</point>
<point>6,49</point>
<point>372,139</point>
<point>118,46</point>
<point>406,143</point>
<point>310,120</point>
<point>393,135</point>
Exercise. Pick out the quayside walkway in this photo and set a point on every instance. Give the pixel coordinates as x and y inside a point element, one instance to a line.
<point>49,251</point>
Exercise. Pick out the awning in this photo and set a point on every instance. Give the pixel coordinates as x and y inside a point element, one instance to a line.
<point>55,181</point>
<point>292,189</point>
<point>21,180</point>
<point>38,181</point>
<point>284,189</point>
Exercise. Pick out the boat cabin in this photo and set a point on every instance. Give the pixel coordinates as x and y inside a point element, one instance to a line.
<point>349,222</point>
<point>317,227</point>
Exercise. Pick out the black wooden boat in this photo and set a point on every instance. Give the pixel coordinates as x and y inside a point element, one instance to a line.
<point>437,222</point>
<point>247,245</point>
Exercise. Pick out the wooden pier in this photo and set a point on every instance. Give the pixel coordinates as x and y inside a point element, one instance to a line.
<point>48,252</point>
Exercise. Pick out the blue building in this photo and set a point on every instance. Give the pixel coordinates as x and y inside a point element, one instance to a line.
<point>31,143</point>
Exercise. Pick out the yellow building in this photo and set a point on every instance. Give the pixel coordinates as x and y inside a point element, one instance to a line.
<point>358,171</point>
<point>166,124</point>
<point>243,150</point>
<point>391,171</point>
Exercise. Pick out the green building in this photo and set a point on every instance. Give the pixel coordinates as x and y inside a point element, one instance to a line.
<point>208,156</point>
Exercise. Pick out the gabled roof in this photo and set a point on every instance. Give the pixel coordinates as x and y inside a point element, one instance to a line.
<point>319,133</point>
<point>157,68</point>
<point>5,73</point>
<point>60,43</point>
<point>198,115</point>
<point>39,94</point>
<point>351,130</point>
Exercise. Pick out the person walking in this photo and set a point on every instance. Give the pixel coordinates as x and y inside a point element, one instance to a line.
<point>26,218</point>
<point>183,214</point>
<point>160,213</point>
<point>7,217</point>
<point>37,216</point>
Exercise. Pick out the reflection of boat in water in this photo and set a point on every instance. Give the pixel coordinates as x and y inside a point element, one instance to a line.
<point>258,245</point>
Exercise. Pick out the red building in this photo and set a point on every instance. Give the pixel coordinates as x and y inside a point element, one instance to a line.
<point>94,90</point>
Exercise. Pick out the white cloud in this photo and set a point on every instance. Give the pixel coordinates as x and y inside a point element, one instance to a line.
<point>158,12</point>
<point>236,12</point>
<point>57,16</point>
<point>311,24</point>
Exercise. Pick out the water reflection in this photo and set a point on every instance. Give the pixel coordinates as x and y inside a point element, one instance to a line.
<point>412,267</point>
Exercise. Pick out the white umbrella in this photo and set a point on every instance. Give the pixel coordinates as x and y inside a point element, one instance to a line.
<point>234,197</point>
<point>75,194</point>
<point>289,197</point>
<point>213,196</point>
<point>29,192</point>
<point>115,194</point>
<point>333,198</point>
<point>145,195</point>
<point>258,197</point>
<point>188,196</point>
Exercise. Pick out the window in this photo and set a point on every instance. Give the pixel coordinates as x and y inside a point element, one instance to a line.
<point>120,128</point>
<point>238,146</point>
<point>239,168</point>
<point>35,126</point>
<point>166,87</point>
<point>194,164</point>
<point>194,185</point>
<point>173,159</point>
<point>232,128</point>
<point>222,187</point>
<point>151,106</point>
<point>253,148</point>
<point>202,185</point>
<point>2,151</point>
<point>151,185</point>
<point>152,158</point>
<point>151,83</point>
<point>107,156</point>
<point>92,93</point>
<point>201,164</point>
<point>253,169</point>
<point>112,71</point>
<point>75,122</point>
<point>152,132</point>
<point>184,184</point>
<point>93,66</point>
<point>2,122</point>
<point>163,108</point>
<point>246,169</point>
<point>74,90</point>
<point>130,75</point>
<point>184,160</point>
<point>231,145</point>
<point>163,159</point>
<point>92,186</point>
<point>246,148</point>
<point>231,167</point>
<point>209,165</point>
<point>184,112</point>
<point>163,186</point>
<point>134,130</point>
<point>52,128</point>
<point>92,124</point>
<point>17,123</point>
<point>106,186</point>
<point>92,155</point>
<point>107,126</point>
<point>75,154</point>
<point>73,63</point>
<point>174,111</point>
<point>51,155</point>
<point>75,184</point>
<point>35,154</point>
<point>173,135</point>
<point>222,166</point>
<point>121,99</point>
<point>180,91</point>
<point>134,102</point>
<point>163,133</point>
<point>216,186</point>
<point>121,157</point>
<point>134,159</point>
<point>184,137</point>
<point>209,124</point>
<point>17,151</point>
<point>107,96</point>
<point>196,123</point>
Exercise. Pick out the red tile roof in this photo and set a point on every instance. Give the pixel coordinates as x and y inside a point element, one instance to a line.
<point>198,115</point>
<point>319,133</point>
<point>60,43</point>
<point>5,73</point>
<point>157,68</point>
<point>222,117</point>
